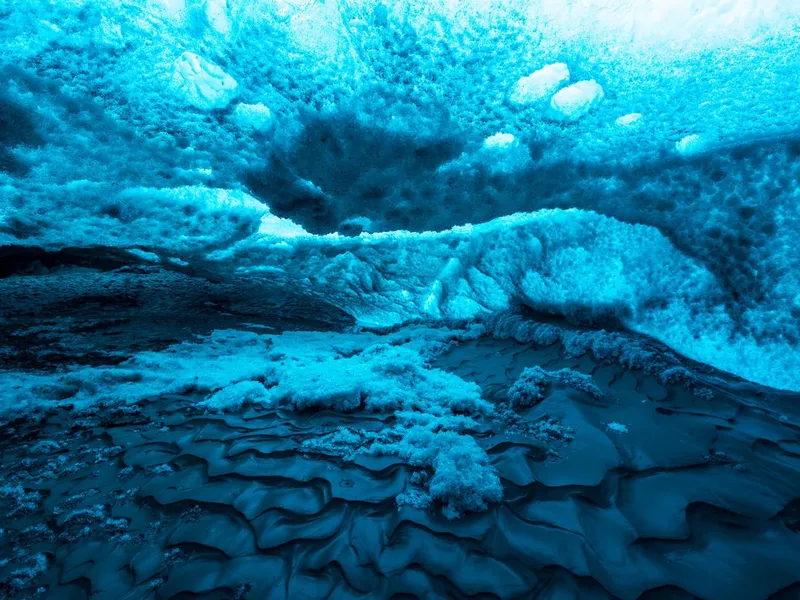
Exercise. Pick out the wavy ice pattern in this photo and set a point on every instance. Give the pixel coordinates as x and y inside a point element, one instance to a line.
<point>429,161</point>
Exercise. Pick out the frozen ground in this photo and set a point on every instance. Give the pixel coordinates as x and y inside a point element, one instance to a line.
<point>204,452</point>
<point>616,473</point>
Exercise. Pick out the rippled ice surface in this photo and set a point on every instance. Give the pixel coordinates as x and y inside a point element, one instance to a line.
<point>423,299</point>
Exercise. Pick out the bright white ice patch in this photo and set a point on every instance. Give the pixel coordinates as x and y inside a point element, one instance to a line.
<point>689,145</point>
<point>203,83</point>
<point>539,84</point>
<point>254,116</point>
<point>628,120</point>
<point>499,140</point>
<point>575,101</point>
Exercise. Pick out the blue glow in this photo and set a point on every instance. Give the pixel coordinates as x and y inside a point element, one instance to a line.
<point>284,210</point>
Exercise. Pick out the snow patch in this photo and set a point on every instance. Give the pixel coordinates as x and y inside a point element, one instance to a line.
<point>617,427</point>
<point>234,397</point>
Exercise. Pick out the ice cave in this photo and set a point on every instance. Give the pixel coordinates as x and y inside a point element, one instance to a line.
<point>349,299</point>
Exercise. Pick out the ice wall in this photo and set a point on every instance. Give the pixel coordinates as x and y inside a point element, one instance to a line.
<point>235,133</point>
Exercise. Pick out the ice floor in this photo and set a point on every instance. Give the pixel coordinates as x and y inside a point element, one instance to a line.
<point>639,475</point>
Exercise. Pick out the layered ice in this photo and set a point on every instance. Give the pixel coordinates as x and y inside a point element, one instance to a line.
<point>574,263</point>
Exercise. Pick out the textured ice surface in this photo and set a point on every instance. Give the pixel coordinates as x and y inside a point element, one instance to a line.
<point>262,137</point>
<point>308,371</point>
<point>573,263</point>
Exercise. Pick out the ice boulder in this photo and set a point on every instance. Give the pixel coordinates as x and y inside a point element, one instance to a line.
<point>254,116</point>
<point>539,84</point>
<point>202,83</point>
<point>575,101</point>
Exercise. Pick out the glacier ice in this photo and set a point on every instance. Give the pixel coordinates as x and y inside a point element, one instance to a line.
<point>427,161</point>
<point>255,116</point>
<point>576,100</point>
<point>203,83</point>
<point>539,84</point>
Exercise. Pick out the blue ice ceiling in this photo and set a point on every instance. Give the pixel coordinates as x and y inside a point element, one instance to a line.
<point>630,162</point>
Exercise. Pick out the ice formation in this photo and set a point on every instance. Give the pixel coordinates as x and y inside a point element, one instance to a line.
<point>539,84</point>
<point>575,101</point>
<point>629,164</point>
<point>452,298</point>
<point>301,371</point>
<point>381,112</point>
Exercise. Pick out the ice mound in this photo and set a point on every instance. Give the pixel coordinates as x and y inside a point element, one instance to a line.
<point>558,260</point>
<point>202,83</point>
<point>575,101</point>
<point>575,263</point>
<point>539,84</point>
